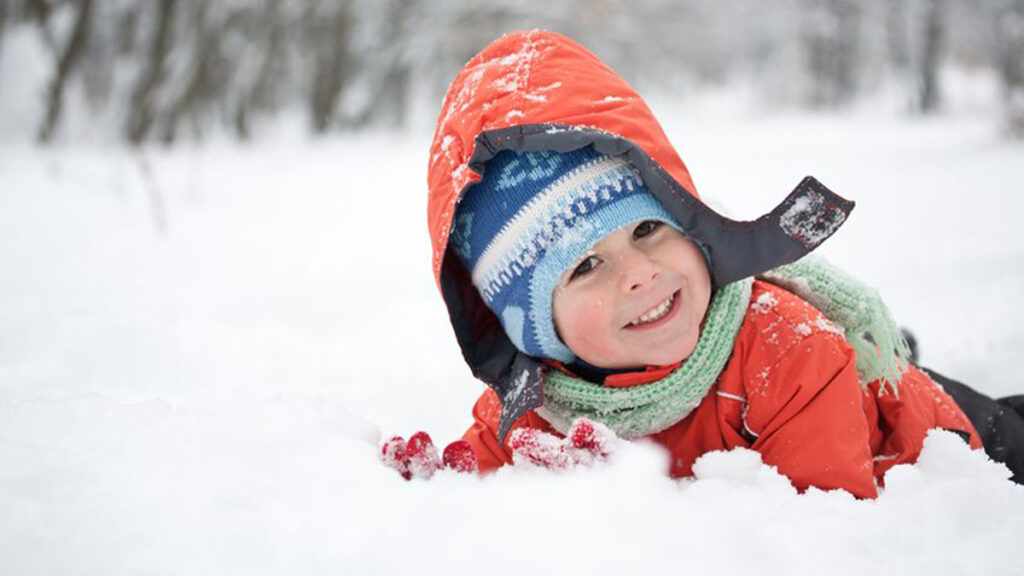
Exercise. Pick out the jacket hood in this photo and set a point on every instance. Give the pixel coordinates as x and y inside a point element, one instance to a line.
<point>537,90</point>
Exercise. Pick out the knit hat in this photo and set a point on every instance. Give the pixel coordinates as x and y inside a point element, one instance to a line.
<point>531,217</point>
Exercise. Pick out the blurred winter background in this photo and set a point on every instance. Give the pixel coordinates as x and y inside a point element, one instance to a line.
<point>215,290</point>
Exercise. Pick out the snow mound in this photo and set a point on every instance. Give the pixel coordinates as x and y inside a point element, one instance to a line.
<point>286,486</point>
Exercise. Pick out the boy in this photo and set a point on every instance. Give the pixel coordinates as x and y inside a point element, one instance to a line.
<point>585,278</point>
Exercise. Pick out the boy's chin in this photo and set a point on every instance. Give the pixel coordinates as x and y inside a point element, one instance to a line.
<point>672,354</point>
<point>652,357</point>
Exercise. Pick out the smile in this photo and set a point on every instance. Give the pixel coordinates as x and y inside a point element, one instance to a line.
<point>656,313</point>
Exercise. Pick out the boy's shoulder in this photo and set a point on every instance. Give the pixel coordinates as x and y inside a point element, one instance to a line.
<point>775,309</point>
<point>778,320</point>
<point>785,348</point>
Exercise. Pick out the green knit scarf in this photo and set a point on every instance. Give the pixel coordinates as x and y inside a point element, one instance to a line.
<point>856,309</point>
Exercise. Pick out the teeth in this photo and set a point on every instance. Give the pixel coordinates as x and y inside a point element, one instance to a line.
<point>656,313</point>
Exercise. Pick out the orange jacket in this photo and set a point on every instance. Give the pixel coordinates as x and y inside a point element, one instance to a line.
<point>789,391</point>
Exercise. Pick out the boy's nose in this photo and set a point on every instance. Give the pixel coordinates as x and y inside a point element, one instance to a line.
<point>640,271</point>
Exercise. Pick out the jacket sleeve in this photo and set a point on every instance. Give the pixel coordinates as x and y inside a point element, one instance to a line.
<point>808,419</point>
<point>483,434</point>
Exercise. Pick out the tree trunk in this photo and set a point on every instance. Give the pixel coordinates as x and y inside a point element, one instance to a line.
<point>262,95</point>
<point>933,43</point>
<point>896,34</point>
<point>69,57</point>
<point>331,66</point>
<point>3,23</point>
<point>205,36</point>
<point>831,47</point>
<point>1010,58</point>
<point>143,111</point>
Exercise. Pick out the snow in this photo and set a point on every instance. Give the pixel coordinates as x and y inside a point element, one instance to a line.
<point>209,399</point>
<point>799,220</point>
<point>764,303</point>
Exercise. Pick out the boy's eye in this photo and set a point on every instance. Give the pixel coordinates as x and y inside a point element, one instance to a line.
<point>584,267</point>
<point>645,228</point>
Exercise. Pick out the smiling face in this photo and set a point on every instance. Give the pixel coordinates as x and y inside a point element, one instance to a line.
<point>637,298</point>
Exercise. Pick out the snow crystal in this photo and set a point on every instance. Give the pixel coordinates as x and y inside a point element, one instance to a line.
<point>826,325</point>
<point>561,129</point>
<point>549,87</point>
<point>809,220</point>
<point>510,59</point>
<point>802,329</point>
<point>508,83</point>
<point>764,303</point>
<point>519,388</point>
<point>446,142</point>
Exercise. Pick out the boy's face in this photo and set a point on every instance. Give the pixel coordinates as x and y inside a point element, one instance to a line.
<point>637,298</point>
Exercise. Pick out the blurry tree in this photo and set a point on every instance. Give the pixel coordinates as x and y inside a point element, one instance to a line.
<point>68,57</point>
<point>143,104</point>
<point>1009,24</point>
<point>98,60</point>
<point>328,27</point>
<point>896,34</point>
<point>388,64</point>
<point>932,43</point>
<point>4,8</point>
<point>217,41</point>
<point>168,69</point>
<point>831,47</point>
<point>259,89</point>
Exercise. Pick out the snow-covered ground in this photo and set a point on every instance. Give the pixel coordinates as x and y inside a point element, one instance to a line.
<point>199,348</point>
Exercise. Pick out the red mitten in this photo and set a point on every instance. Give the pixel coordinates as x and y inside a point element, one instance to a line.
<point>417,458</point>
<point>459,456</point>
<point>393,455</point>
<point>586,442</point>
<point>594,437</point>
<point>540,448</point>
<point>422,455</point>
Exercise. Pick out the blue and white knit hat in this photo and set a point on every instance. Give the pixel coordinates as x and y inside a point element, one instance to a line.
<point>532,216</point>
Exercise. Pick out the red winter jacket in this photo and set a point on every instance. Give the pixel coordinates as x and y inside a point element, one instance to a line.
<point>789,391</point>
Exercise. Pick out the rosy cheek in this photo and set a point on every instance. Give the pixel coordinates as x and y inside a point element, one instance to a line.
<point>586,329</point>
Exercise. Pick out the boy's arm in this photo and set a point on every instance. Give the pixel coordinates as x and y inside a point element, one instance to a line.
<point>483,434</point>
<point>808,417</point>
